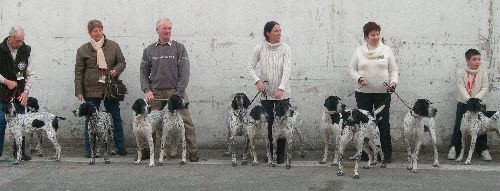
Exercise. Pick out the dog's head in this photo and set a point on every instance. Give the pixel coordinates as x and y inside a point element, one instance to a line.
<point>141,106</point>
<point>474,105</point>
<point>355,117</point>
<point>332,103</point>
<point>240,101</point>
<point>176,102</point>
<point>258,113</point>
<point>32,104</point>
<point>283,109</point>
<point>85,109</point>
<point>423,107</point>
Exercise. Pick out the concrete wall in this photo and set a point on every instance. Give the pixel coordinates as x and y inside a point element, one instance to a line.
<point>428,38</point>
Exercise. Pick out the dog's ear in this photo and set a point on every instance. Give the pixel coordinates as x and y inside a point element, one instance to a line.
<point>234,104</point>
<point>246,101</point>
<point>421,107</point>
<point>32,104</point>
<point>137,106</point>
<point>291,112</point>
<point>255,114</point>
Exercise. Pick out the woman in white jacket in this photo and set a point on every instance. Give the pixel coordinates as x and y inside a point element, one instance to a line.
<point>374,68</point>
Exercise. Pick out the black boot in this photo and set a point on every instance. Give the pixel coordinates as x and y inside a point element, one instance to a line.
<point>280,151</point>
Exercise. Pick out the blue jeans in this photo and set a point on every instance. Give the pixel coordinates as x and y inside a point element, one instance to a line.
<point>112,107</point>
<point>3,122</point>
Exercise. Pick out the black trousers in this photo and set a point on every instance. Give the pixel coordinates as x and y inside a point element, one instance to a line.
<point>280,143</point>
<point>368,101</point>
<point>456,138</point>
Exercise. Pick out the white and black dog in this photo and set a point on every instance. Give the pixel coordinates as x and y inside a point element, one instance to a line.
<point>286,121</point>
<point>236,124</point>
<point>361,126</point>
<point>174,127</point>
<point>416,123</point>
<point>257,129</point>
<point>475,123</point>
<point>331,125</point>
<point>24,124</point>
<point>146,123</point>
<point>100,129</point>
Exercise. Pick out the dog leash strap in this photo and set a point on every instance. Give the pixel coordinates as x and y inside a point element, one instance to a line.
<point>254,97</point>
<point>355,91</point>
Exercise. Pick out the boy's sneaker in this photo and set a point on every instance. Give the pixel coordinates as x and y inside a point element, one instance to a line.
<point>452,154</point>
<point>485,155</point>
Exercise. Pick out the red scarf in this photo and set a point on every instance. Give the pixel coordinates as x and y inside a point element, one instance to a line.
<point>470,84</point>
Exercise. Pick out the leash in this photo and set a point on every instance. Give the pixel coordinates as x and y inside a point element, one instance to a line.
<point>355,91</point>
<point>264,93</point>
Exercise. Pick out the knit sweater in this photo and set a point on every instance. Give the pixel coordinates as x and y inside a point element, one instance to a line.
<point>377,65</point>
<point>479,87</point>
<point>275,67</point>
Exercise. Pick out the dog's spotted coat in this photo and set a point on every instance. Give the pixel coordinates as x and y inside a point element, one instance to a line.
<point>145,124</point>
<point>257,130</point>
<point>360,126</point>
<point>236,124</point>
<point>416,123</point>
<point>100,129</point>
<point>331,126</point>
<point>174,126</point>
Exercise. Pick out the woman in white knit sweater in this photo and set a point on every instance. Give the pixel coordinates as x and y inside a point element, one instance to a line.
<point>273,56</point>
<point>472,83</point>
<point>372,66</point>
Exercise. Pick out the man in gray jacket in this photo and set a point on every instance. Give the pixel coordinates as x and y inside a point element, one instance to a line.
<point>164,72</point>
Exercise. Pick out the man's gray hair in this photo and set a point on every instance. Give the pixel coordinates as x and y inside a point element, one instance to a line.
<point>160,21</point>
<point>14,30</point>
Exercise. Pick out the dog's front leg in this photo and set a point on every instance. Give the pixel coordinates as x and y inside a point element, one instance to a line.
<point>19,142</point>
<point>418,144</point>
<point>344,139</point>
<point>247,142</point>
<point>358,136</point>
<point>162,144</point>
<point>228,152</point>
<point>151,145</point>
<point>289,150</point>
<point>140,147</point>
<point>275,138</point>
<point>253,151</point>
<point>369,153</point>
<point>326,138</point>
<point>473,139</point>
<point>92,146</point>
<point>407,136</point>
<point>432,133</point>
<point>232,143</point>
<point>184,146</point>
<point>464,139</point>
<point>107,142</point>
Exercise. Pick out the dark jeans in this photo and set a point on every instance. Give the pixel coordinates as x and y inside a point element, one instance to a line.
<point>3,123</point>
<point>280,143</point>
<point>112,107</point>
<point>368,101</point>
<point>456,138</point>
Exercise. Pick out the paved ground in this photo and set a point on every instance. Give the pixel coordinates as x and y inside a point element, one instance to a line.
<point>214,172</point>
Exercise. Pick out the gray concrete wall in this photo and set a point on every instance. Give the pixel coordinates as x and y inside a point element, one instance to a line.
<point>428,38</point>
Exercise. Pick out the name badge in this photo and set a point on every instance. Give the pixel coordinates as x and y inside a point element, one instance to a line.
<point>19,76</point>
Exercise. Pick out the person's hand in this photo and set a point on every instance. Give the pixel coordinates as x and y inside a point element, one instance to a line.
<point>260,86</point>
<point>149,96</point>
<point>279,94</point>
<point>79,97</point>
<point>391,87</point>
<point>362,81</point>
<point>113,73</point>
<point>23,98</point>
<point>10,84</point>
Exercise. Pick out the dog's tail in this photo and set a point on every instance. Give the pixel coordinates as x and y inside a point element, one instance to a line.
<point>55,122</point>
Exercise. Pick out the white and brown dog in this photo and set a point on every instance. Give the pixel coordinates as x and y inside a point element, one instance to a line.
<point>331,126</point>
<point>146,124</point>
<point>361,126</point>
<point>257,130</point>
<point>475,123</point>
<point>417,123</point>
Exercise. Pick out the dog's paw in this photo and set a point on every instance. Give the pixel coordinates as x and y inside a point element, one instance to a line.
<point>137,162</point>
<point>409,167</point>
<point>467,162</point>
<point>255,163</point>
<point>366,167</point>
<point>234,164</point>
<point>436,164</point>
<point>107,162</point>
<point>182,163</point>
<point>273,164</point>
<point>334,163</point>
<point>458,160</point>
<point>414,170</point>
<point>151,164</point>
<point>383,166</point>
<point>244,162</point>
<point>17,162</point>
<point>322,162</point>
<point>160,163</point>
<point>226,154</point>
<point>91,163</point>
<point>340,173</point>
<point>57,159</point>
<point>355,176</point>
<point>288,166</point>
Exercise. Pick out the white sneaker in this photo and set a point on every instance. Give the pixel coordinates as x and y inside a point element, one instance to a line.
<point>452,155</point>
<point>485,155</point>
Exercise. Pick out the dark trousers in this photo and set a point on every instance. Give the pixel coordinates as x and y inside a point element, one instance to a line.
<point>456,138</point>
<point>280,143</point>
<point>369,101</point>
<point>112,107</point>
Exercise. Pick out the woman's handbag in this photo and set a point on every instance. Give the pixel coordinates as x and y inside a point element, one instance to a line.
<point>116,89</point>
